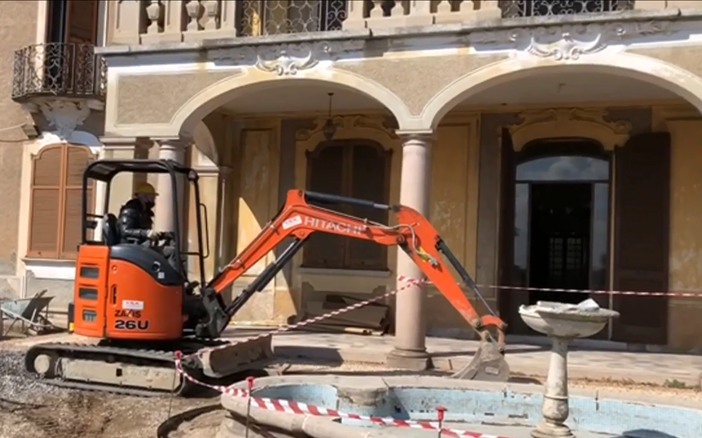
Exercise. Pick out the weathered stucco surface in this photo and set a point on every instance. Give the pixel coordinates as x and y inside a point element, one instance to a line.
<point>417,80</point>
<point>17,29</point>
<point>135,95</point>
<point>689,58</point>
<point>685,324</point>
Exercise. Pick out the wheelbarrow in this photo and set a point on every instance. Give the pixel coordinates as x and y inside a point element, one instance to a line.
<point>28,312</point>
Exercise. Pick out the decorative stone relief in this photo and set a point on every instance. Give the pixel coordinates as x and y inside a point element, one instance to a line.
<point>63,114</point>
<point>286,59</point>
<point>571,41</point>
<point>383,124</point>
<point>569,123</point>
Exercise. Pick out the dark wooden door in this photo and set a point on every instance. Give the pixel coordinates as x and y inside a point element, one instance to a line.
<point>642,179</point>
<point>559,245</point>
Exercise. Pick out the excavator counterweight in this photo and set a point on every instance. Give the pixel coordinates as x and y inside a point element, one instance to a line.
<point>142,310</point>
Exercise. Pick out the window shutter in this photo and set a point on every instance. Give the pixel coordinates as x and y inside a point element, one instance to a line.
<point>325,174</point>
<point>82,22</point>
<point>642,179</point>
<point>45,200</point>
<point>77,159</point>
<point>369,170</point>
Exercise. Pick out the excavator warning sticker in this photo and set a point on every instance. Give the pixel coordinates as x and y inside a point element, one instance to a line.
<point>292,222</point>
<point>132,305</point>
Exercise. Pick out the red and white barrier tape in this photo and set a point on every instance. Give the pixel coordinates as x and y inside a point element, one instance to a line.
<point>301,408</point>
<point>297,408</point>
<point>293,407</point>
<point>411,282</point>
<point>695,294</point>
<point>408,283</point>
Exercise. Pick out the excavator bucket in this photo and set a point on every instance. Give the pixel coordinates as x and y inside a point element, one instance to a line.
<point>488,364</point>
<point>236,358</point>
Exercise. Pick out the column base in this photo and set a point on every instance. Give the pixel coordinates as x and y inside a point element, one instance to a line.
<point>408,360</point>
<point>550,430</point>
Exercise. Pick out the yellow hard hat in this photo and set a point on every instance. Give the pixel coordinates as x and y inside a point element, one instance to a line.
<point>146,189</point>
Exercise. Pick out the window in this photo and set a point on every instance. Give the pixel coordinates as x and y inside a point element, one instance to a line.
<point>70,64</point>
<point>357,169</point>
<point>55,216</point>
<point>73,21</point>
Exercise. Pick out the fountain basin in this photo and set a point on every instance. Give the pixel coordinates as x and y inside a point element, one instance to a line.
<point>565,320</point>
<point>509,410</point>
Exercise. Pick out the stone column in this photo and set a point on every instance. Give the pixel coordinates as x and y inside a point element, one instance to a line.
<point>410,320</point>
<point>164,211</point>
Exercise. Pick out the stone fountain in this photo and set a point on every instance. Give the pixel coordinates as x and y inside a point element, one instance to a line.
<point>561,323</point>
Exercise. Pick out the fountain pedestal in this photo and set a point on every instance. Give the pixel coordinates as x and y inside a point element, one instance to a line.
<point>561,323</point>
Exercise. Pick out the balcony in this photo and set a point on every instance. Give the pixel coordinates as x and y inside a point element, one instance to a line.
<point>58,70</point>
<point>151,22</point>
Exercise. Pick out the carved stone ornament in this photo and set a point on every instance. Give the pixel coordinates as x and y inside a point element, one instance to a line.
<point>384,124</point>
<point>64,115</point>
<point>285,59</point>
<point>571,41</point>
<point>569,123</point>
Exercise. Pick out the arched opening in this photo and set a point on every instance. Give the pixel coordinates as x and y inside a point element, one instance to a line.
<point>252,96</point>
<point>572,224</point>
<point>558,204</point>
<point>561,218</point>
<point>538,113</point>
<point>601,78</point>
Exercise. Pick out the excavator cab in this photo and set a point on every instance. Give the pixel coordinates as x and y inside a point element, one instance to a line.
<point>142,309</point>
<point>129,290</point>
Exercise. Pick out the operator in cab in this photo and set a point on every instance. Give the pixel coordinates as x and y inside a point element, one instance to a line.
<point>136,221</point>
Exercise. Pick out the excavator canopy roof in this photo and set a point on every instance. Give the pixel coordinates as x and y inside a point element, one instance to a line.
<point>106,169</point>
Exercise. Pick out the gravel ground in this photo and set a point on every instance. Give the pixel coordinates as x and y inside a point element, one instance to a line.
<point>31,409</point>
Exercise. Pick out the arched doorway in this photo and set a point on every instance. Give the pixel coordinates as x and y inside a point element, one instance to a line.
<point>560,229</point>
<point>561,218</point>
<point>559,215</point>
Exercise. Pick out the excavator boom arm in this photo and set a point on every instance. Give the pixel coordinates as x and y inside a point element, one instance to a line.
<point>413,233</point>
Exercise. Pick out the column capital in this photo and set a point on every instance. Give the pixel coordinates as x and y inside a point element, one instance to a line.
<point>424,135</point>
<point>173,142</point>
<point>225,171</point>
<point>119,142</point>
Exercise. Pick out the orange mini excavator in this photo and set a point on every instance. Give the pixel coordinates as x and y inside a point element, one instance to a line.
<point>140,309</point>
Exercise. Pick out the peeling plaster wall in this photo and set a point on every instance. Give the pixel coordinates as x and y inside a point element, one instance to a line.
<point>685,324</point>
<point>257,202</point>
<point>18,28</point>
<point>454,212</point>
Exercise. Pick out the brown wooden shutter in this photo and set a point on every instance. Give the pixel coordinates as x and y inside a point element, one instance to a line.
<point>509,300</point>
<point>325,175</point>
<point>77,159</point>
<point>369,170</point>
<point>642,192</point>
<point>44,224</point>
<point>82,22</point>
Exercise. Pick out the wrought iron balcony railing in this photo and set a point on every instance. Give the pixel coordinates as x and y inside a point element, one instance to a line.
<point>547,8</point>
<point>146,22</point>
<point>58,69</point>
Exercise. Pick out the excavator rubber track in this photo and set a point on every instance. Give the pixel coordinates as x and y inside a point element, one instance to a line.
<point>127,371</point>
